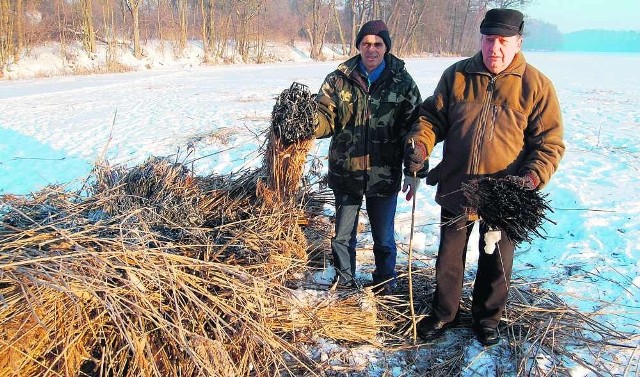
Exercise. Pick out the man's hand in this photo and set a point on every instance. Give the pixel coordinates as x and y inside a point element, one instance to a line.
<point>410,186</point>
<point>529,181</point>
<point>414,157</point>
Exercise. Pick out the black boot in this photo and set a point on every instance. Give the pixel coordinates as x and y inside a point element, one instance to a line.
<point>430,327</point>
<point>487,335</point>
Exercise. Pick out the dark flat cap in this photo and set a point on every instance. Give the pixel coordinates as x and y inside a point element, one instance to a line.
<point>504,22</point>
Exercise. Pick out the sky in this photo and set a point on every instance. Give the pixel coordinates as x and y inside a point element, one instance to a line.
<point>574,15</point>
<point>53,129</point>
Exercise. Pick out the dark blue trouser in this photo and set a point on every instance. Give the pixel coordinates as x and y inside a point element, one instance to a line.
<point>381,211</point>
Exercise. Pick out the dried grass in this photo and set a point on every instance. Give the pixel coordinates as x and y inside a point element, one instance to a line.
<point>544,336</point>
<point>152,271</point>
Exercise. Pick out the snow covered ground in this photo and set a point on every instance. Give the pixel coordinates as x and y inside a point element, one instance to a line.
<point>52,130</point>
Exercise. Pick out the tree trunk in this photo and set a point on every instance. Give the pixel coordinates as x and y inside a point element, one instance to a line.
<point>463,28</point>
<point>134,9</point>
<point>108,20</point>
<point>159,25</point>
<point>6,34</point>
<point>410,26</point>
<point>315,31</point>
<point>211,24</point>
<point>454,25</point>
<point>62,20</point>
<point>354,26</point>
<point>88,32</point>
<point>336,16</point>
<point>19,30</point>
<point>358,19</point>
<point>184,24</point>
<point>203,31</point>
<point>246,11</point>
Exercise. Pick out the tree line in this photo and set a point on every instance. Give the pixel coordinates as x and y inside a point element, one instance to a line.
<point>230,28</point>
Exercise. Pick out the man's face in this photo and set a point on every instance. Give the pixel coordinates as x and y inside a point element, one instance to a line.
<point>498,51</point>
<point>372,49</point>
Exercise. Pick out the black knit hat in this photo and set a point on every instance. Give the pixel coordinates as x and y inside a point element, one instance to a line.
<point>375,27</point>
<point>504,22</point>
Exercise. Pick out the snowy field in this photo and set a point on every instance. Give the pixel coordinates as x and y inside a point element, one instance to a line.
<point>52,130</point>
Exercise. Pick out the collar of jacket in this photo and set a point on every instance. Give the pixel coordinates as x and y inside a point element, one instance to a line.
<point>373,75</point>
<point>517,66</point>
<point>393,63</point>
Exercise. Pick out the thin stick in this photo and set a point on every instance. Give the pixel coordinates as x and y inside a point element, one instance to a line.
<point>413,218</point>
<point>101,158</point>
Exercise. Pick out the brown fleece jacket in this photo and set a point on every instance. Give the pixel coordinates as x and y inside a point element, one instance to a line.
<point>491,125</point>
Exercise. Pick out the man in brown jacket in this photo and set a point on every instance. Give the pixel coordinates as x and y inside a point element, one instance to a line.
<point>497,116</point>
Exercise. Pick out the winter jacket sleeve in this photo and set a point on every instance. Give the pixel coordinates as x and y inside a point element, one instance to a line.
<point>431,127</point>
<point>326,113</point>
<point>544,136</point>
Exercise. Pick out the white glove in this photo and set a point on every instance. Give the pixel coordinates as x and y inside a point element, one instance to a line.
<point>491,239</point>
<point>410,186</point>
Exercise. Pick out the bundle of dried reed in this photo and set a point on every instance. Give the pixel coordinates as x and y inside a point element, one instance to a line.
<point>334,315</point>
<point>154,271</point>
<point>293,116</point>
<point>506,205</point>
<point>289,139</point>
<point>127,311</point>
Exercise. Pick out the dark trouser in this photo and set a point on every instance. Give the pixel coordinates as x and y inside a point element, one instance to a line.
<point>490,289</point>
<point>381,211</point>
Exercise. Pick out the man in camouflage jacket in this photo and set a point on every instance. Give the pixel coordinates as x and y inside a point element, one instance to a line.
<point>367,106</point>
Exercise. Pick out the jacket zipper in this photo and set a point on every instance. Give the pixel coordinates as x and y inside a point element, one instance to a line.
<point>366,139</point>
<point>482,126</point>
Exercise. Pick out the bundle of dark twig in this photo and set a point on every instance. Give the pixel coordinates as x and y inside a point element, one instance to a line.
<point>289,139</point>
<point>506,205</point>
<point>292,117</point>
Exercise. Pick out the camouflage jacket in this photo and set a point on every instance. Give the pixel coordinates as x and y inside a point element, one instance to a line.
<point>367,126</point>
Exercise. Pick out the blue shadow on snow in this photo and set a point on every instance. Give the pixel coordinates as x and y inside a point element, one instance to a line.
<point>27,165</point>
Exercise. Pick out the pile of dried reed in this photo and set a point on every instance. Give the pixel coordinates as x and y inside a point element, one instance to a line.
<point>154,271</point>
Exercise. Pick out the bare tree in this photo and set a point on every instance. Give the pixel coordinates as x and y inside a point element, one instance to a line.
<point>6,34</point>
<point>404,19</point>
<point>245,12</point>
<point>108,23</point>
<point>134,9</point>
<point>239,28</point>
<point>184,24</point>
<point>204,30</point>
<point>358,14</point>
<point>62,20</point>
<point>316,22</point>
<point>225,24</point>
<point>19,27</point>
<point>217,30</point>
<point>336,16</point>
<point>88,32</point>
